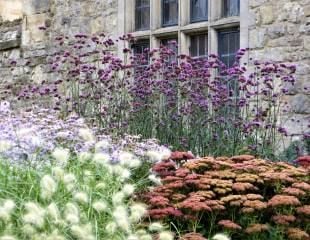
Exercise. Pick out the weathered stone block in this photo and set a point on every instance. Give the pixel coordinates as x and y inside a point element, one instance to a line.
<point>258,38</point>
<point>307,10</point>
<point>38,74</point>
<point>10,39</point>
<point>31,7</point>
<point>301,104</point>
<point>277,30</point>
<point>307,42</point>
<point>292,12</point>
<point>11,10</point>
<point>256,3</point>
<point>267,14</point>
<point>32,32</point>
<point>10,35</point>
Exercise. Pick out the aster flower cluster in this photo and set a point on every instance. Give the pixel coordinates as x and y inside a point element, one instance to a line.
<point>176,99</point>
<point>83,196</point>
<point>243,195</point>
<point>29,137</point>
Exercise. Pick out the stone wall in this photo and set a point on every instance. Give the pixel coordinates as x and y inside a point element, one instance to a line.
<point>22,41</point>
<point>281,32</point>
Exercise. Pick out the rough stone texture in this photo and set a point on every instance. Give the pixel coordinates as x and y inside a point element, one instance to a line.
<point>22,41</point>
<point>282,33</point>
<point>11,9</point>
<point>10,35</point>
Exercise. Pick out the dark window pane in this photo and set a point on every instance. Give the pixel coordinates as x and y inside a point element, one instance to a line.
<point>229,44</point>
<point>170,11</point>
<point>172,44</point>
<point>231,8</point>
<point>199,10</point>
<point>199,45</point>
<point>140,51</point>
<point>142,14</point>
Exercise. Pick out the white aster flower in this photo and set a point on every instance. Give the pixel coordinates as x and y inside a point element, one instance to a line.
<point>86,134</point>
<point>154,156</point>
<point>28,230</point>
<point>137,211</point>
<point>100,206</point>
<point>69,181</point>
<point>55,236</point>
<point>220,236</point>
<point>125,174</point>
<point>154,179</point>
<point>58,173</point>
<point>157,156</point>
<point>48,187</point>
<point>121,218</point>
<point>6,210</point>
<point>128,189</point>
<point>4,146</point>
<point>5,107</point>
<point>24,132</point>
<point>111,228</point>
<point>141,232</point>
<point>146,237</point>
<point>84,157</point>
<point>156,227</point>
<point>165,153</point>
<point>118,198</point>
<point>61,156</point>
<point>83,232</point>
<point>165,235</point>
<point>133,237</point>
<point>72,213</point>
<point>7,237</point>
<point>81,197</point>
<point>125,158</point>
<point>102,145</point>
<point>35,214</point>
<point>101,159</point>
<point>53,212</point>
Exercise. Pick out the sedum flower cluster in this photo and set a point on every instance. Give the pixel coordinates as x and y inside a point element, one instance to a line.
<point>251,198</point>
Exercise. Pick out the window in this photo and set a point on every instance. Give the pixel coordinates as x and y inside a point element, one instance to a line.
<point>140,51</point>
<point>231,8</point>
<point>172,44</point>
<point>170,12</point>
<point>229,44</point>
<point>142,14</point>
<point>199,45</point>
<point>199,10</point>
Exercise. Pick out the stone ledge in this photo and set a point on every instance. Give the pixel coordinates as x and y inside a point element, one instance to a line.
<point>10,35</point>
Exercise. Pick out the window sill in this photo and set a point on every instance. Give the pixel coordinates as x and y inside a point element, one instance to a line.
<point>166,31</point>
<point>141,34</point>
<point>192,21</point>
<point>226,22</point>
<point>193,27</point>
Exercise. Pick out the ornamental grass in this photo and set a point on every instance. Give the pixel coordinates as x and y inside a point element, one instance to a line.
<point>245,196</point>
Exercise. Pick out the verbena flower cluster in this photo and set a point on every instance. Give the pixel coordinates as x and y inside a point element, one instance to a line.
<point>190,103</point>
<point>28,137</point>
<point>251,198</point>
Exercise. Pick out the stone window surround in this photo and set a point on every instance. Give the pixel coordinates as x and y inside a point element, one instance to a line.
<point>126,24</point>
